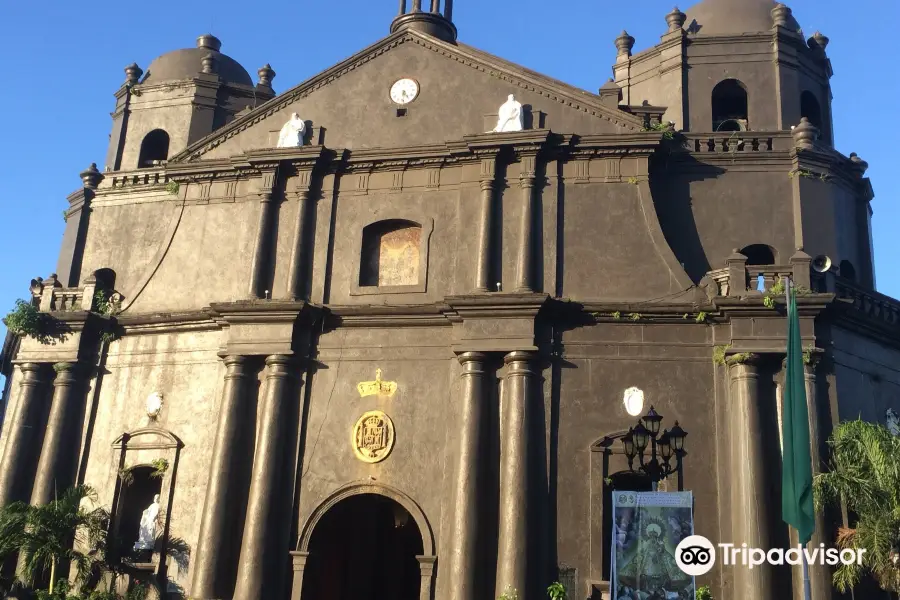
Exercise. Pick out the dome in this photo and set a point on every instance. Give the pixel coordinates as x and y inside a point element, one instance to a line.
<point>732,17</point>
<point>187,63</point>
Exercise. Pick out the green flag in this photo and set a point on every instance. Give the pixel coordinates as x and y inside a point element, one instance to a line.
<point>796,473</point>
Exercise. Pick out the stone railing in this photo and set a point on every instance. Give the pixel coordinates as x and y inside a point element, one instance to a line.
<point>870,303</point>
<point>738,278</point>
<point>739,142</point>
<point>138,177</point>
<point>52,297</point>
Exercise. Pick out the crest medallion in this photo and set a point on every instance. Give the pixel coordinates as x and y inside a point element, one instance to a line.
<point>373,437</point>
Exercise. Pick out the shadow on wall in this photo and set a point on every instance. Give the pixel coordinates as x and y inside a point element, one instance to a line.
<point>671,177</point>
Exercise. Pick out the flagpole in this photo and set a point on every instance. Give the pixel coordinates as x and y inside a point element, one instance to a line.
<point>807,591</point>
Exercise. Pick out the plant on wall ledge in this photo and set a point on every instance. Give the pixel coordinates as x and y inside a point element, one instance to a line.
<point>27,321</point>
<point>160,466</point>
<point>126,475</point>
<point>703,593</point>
<point>557,591</point>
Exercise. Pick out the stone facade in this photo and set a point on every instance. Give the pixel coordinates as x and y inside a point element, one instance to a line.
<point>492,295</point>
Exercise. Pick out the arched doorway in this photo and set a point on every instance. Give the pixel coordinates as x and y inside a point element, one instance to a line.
<point>365,547</point>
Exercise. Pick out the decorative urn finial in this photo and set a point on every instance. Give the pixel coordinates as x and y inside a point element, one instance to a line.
<point>266,75</point>
<point>781,14</point>
<point>209,41</point>
<point>675,19</point>
<point>133,74</point>
<point>859,164</point>
<point>210,64</point>
<point>624,44</point>
<point>805,134</point>
<point>819,40</point>
<point>91,177</point>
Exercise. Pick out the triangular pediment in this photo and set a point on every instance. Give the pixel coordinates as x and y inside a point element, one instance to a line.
<point>349,106</point>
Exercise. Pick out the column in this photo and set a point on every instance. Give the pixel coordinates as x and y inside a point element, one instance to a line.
<point>524,281</point>
<point>483,258</point>
<point>264,527</point>
<point>297,275</point>
<point>298,560</point>
<point>59,456</point>
<point>426,569</point>
<point>263,234</point>
<point>14,471</point>
<point>463,559</point>
<point>749,490</point>
<point>214,562</point>
<point>819,575</point>
<point>516,488</point>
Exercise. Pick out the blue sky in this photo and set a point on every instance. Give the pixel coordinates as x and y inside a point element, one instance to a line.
<point>62,61</point>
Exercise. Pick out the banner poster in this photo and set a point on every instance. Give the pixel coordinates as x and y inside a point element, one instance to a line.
<point>647,528</point>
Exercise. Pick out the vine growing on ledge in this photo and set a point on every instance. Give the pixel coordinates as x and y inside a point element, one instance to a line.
<point>160,466</point>
<point>557,591</point>
<point>172,187</point>
<point>27,321</point>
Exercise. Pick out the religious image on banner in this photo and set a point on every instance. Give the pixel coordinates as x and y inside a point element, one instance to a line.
<point>647,528</point>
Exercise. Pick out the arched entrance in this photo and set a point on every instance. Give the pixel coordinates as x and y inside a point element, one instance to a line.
<point>365,547</point>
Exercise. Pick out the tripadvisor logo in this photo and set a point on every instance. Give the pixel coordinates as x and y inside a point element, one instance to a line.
<point>696,555</point>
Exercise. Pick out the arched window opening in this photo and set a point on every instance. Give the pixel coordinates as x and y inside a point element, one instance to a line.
<point>154,149</point>
<point>729,106</point>
<point>139,490</point>
<point>809,108</point>
<point>847,270</point>
<point>391,254</point>
<point>623,481</point>
<point>759,254</point>
<point>365,546</point>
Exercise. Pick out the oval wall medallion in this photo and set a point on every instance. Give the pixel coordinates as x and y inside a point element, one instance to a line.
<point>373,437</point>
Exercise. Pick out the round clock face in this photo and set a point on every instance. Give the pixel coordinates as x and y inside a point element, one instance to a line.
<point>404,91</point>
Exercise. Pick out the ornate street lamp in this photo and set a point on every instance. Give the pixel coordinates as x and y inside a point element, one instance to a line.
<point>657,465</point>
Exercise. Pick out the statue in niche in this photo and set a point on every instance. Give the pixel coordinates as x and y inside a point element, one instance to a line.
<point>511,117</point>
<point>147,535</point>
<point>291,135</point>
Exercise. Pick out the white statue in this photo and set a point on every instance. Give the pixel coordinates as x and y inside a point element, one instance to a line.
<point>292,133</point>
<point>892,421</point>
<point>511,117</point>
<point>147,536</point>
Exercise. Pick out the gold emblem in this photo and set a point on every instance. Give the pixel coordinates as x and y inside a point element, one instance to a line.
<point>377,387</point>
<point>373,437</point>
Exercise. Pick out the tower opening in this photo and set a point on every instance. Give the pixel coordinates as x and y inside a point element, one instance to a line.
<point>809,108</point>
<point>847,270</point>
<point>364,548</point>
<point>729,106</point>
<point>154,149</point>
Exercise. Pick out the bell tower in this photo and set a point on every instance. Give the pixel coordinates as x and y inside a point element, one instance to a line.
<point>433,22</point>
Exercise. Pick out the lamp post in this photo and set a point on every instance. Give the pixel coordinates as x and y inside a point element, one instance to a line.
<point>657,465</point>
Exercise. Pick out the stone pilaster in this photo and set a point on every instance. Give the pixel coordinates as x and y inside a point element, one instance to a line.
<point>265,533</point>
<point>59,455</point>
<point>464,550</point>
<point>483,257</point>
<point>426,570</point>
<point>215,556</point>
<point>515,564</point>
<point>263,242</point>
<point>296,288</point>
<point>23,435</point>
<point>749,490</point>
<point>525,277</point>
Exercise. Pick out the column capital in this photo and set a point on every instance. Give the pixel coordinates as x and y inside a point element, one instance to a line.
<point>426,563</point>
<point>280,365</point>
<point>750,360</point>
<point>298,559</point>
<point>520,356</point>
<point>67,373</point>
<point>237,360</point>
<point>468,357</point>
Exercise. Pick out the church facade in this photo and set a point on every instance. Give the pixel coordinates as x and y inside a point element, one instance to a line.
<point>371,336</point>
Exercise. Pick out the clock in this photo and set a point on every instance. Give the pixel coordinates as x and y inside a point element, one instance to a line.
<point>634,401</point>
<point>404,91</point>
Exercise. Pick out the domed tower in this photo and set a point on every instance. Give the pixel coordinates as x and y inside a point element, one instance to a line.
<point>713,70</point>
<point>183,96</point>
